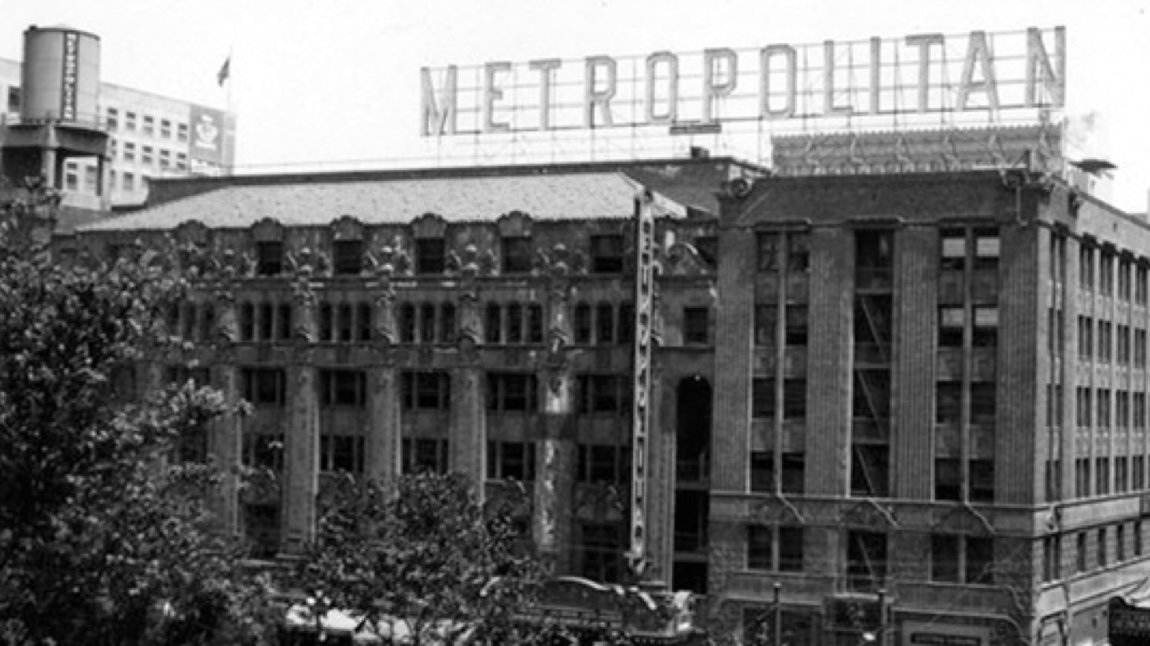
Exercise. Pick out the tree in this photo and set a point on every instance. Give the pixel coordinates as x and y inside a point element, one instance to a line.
<point>421,558</point>
<point>101,542</point>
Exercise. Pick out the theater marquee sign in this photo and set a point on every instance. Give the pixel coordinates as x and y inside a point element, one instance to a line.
<point>985,72</point>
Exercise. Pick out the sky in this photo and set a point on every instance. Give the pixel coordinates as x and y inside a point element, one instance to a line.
<point>324,84</point>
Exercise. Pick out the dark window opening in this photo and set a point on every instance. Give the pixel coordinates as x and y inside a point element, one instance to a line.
<point>347,257</point>
<point>517,254</point>
<point>696,325</point>
<point>430,256</point>
<point>269,258</point>
<point>607,254</point>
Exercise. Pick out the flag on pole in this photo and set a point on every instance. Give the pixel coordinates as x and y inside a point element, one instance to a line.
<point>225,70</point>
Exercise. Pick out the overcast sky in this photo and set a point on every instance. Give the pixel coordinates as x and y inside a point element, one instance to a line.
<point>338,81</point>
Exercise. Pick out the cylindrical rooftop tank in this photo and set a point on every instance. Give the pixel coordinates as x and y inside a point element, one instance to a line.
<point>61,75</point>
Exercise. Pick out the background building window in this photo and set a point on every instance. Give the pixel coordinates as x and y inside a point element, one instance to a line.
<point>343,388</point>
<point>696,325</point>
<point>341,453</point>
<point>512,392</point>
<point>607,254</point>
<point>426,390</point>
<point>517,255</point>
<point>347,257</point>
<point>421,455</point>
<point>269,257</point>
<point>430,256</point>
<point>511,461</point>
<point>263,386</point>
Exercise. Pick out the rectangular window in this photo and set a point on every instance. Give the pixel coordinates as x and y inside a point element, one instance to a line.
<point>1120,542</point>
<point>425,390</point>
<point>602,394</point>
<point>430,256</point>
<point>1106,274</point>
<point>607,254</point>
<point>269,257</point>
<point>181,161</point>
<point>795,399</point>
<point>341,453</point>
<point>1080,561</point>
<point>263,386</point>
<point>511,461</point>
<point>796,330</point>
<point>1085,338</point>
<point>947,479</point>
<point>512,392</point>
<point>986,249</point>
<point>979,560</point>
<point>149,125</point>
<point>1086,268</point>
<point>768,251</point>
<point>953,256</point>
<point>985,333</point>
<point>602,554</point>
<point>130,121</point>
<point>182,132</point>
<point>165,128</point>
<point>165,159</point>
<point>944,565</point>
<point>762,471</point>
<point>129,151</point>
<point>347,257</point>
<point>1051,558</point>
<point>794,472</point>
<point>951,326</point>
<point>760,548</point>
<point>696,328</point>
<point>1137,532</point>
<point>790,549</point>
<point>763,398</point>
<point>766,322</point>
<point>420,455</point>
<point>866,560</point>
<point>605,324</point>
<point>113,119</point>
<point>343,388</point>
<point>1101,545</point>
<point>1140,285</point>
<point>981,480</point>
<point>264,450</point>
<point>604,463</point>
<point>517,255</point>
<point>1124,280</point>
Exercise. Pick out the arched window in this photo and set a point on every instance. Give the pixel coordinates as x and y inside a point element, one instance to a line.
<point>605,323</point>
<point>493,332</point>
<point>247,322</point>
<point>515,323</point>
<point>582,323</point>
<point>364,322</point>
<point>325,322</point>
<point>535,324</point>
<point>447,331</point>
<point>407,323</point>
<point>427,323</point>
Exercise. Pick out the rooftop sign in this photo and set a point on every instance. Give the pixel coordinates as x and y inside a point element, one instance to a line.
<point>922,74</point>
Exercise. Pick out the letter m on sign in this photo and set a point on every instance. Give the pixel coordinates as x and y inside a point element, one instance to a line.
<point>438,117</point>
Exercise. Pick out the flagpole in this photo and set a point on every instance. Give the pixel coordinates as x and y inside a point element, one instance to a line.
<point>228,116</point>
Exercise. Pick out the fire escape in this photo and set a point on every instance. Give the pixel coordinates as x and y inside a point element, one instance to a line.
<point>870,406</point>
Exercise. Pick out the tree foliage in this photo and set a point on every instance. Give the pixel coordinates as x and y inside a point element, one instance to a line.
<point>100,542</point>
<point>425,561</point>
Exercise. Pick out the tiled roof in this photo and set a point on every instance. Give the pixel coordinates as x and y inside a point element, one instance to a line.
<point>468,199</point>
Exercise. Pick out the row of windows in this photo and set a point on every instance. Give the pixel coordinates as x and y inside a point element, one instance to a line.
<point>1095,407</point>
<point>1132,279</point>
<point>517,255</point>
<point>148,156</point>
<point>1129,475</point>
<point>1126,545</point>
<point>976,249</point>
<point>954,558</point>
<point>1119,342</point>
<point>146,125</point>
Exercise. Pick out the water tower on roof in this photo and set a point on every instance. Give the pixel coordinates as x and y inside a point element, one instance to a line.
<point>59,119</point>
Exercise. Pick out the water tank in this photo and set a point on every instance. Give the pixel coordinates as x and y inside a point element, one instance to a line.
<point>61,76</point>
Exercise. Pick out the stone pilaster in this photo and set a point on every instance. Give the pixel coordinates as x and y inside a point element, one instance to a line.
<point>468,437</point>
<point>301,440</point>
<point>384,430</point>
<point>226,442</point>
<point>556,457</point>
<point>302,449</point>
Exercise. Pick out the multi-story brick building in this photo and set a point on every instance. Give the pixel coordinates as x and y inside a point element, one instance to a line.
<point>911,406</point>
<point>139,135</point>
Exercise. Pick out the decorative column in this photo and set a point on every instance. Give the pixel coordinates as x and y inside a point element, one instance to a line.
<point>384,425</point>
<point>226,432</point>
<point>556,452</point>
<point>301,477</point>
<point>468,434</point>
